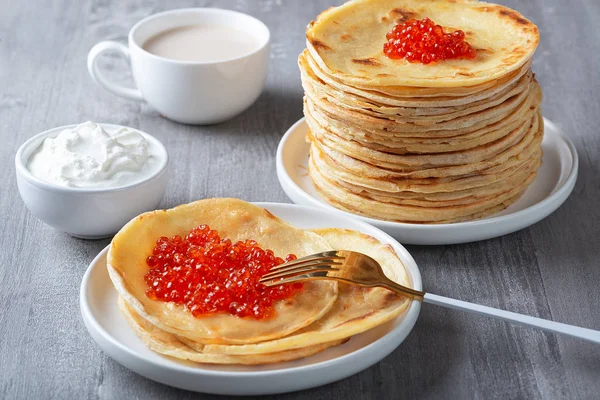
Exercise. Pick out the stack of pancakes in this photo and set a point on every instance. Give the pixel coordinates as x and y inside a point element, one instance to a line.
<point>443,142</point>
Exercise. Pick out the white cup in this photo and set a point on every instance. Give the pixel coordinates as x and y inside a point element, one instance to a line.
<point>190,92</point>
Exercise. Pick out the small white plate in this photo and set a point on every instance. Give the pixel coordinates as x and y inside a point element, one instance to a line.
<point>98,303</point>
<point>553,184</point>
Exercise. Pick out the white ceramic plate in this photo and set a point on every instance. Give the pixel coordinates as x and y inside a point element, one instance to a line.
<point>553,184</point>
<point>98,302</point>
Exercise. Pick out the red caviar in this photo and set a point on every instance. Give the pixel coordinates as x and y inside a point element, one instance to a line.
<point>424,41</point>
<point>212,275</point>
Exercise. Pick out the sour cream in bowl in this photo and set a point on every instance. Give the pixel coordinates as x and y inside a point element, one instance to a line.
<point>88,180</point>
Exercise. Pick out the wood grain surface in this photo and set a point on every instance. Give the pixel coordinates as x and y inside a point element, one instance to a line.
<point>550,270</point>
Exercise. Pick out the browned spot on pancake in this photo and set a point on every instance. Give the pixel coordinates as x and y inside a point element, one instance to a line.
<point>515,16</point>
<point>400,15</point>
<point>515,55</point>
<point>318,44</point>
<point>353,28</point>
<point>367,61</point>
<point>512,15</point>
<point>345,37</point>
<point>244,216</point>
<point>356,319</point>
<point>385,19</point>
<point>390,297</point>
<point>465,74</point>
<point>484,53</point>
<point>382,75</point>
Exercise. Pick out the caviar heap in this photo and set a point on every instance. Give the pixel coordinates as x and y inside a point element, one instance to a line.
<point>212,275</point>
<point>425,42</point>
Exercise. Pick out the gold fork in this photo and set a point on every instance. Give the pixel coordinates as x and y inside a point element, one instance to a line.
<point>359,269</point>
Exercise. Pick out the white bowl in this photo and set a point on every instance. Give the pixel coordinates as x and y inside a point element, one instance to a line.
<point>106,325</point>
<point>88,213</point>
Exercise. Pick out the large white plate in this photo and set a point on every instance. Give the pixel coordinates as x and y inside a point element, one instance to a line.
<point>98,302</point>
<point>553,184</point>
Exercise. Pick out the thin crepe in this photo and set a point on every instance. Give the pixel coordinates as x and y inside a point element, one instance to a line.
<point>233,219</point>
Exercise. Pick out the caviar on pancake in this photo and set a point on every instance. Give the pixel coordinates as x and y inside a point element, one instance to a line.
<point>425,42</point>
<point>212,275</point>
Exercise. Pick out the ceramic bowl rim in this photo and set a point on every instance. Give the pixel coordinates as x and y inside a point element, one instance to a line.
<point>21,164</point>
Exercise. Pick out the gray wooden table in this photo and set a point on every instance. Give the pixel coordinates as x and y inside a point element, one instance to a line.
<point>550,270</point>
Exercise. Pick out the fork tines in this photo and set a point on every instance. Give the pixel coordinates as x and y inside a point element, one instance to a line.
<point>321,263</point>
<point>325,256</point>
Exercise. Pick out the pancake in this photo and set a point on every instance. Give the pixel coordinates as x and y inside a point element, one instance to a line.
<point>168,344</point>
<point>413,96</point>
<point>347,42</point>
<point>356,309</point>
<point>233,219</point>
<point>317,88</point>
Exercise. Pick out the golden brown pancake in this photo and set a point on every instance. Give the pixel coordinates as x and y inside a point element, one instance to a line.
<point>233,219</point>
<point>168,344</point>
<point>347,42</point>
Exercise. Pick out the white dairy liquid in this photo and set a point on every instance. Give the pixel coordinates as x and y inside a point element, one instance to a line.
<point>201,43</point>
<point>87,156</point>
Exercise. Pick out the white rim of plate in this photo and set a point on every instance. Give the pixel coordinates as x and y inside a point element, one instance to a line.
<point>410,315</point>
<point>567,186</point>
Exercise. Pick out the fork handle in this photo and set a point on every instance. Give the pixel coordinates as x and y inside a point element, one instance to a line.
<point>557,327</point>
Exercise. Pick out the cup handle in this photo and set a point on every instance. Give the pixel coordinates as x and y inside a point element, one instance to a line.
<point>100,79</point>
